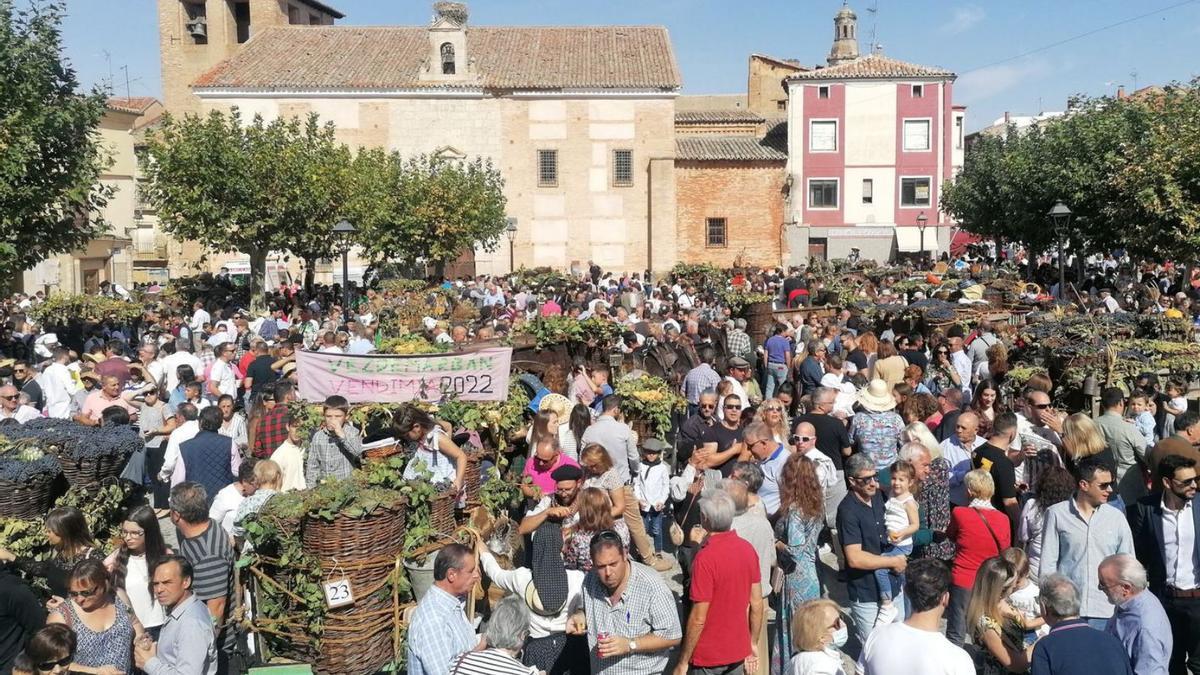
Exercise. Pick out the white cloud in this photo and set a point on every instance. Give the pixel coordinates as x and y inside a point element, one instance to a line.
<point>985,83</point>
<point>963,19</point>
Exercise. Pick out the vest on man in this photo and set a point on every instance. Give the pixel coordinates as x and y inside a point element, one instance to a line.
<point>206,461</point>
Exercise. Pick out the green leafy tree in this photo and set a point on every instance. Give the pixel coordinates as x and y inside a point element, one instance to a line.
<point>50,155</point>
<point>315,170</point>
<point>1157,175</point>
<point>251,188</point>
<point>1009,182</point>
<point>425,207</point>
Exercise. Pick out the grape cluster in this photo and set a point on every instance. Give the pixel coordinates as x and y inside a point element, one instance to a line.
<point>76,440</point>
<point>12,469</point>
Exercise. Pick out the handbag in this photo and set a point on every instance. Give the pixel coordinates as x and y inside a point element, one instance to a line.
<point>995,539</point>
<point>675,530</point>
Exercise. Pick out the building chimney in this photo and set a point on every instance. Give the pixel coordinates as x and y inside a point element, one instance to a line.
<point>1121,92</point>
<point>1006,118</point>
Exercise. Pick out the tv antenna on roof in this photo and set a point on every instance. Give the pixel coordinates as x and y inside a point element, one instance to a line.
<point>874,12</point>
<point>1134,75</point>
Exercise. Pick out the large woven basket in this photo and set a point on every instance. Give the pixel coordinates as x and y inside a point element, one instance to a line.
<point>381,533</point>
<point>26,500</point>
<point>89,472</point>
<point>473,479</point>
<point>441,513</point>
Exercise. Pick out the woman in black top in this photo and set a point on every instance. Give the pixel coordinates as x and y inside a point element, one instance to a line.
<point>67,531</point>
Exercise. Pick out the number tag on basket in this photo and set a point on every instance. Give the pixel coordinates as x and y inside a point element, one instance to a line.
<point>338,593</point>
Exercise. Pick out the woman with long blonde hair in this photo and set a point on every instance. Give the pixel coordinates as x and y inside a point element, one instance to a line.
<point>774,413</point>
<point>995,625</point>
<point>1082,438</point>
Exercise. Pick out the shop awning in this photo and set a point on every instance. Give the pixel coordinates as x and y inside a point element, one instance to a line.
<point>908,239</point>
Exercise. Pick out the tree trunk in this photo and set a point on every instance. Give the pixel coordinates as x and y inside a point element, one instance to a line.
<point>258,266</point>
<point>310,274</point>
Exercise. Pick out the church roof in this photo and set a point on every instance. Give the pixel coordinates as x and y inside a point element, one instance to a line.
<point>872,67</point>
<point>391,57</point>
<point>712,148</point>
<point>730,116</point>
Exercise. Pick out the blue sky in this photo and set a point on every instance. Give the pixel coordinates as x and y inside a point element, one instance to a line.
<point>975,38</point>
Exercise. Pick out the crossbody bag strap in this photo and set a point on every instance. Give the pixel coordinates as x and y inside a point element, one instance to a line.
<point>992,532</point>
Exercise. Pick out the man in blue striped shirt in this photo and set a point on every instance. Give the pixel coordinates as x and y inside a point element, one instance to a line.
<point>439,631</point>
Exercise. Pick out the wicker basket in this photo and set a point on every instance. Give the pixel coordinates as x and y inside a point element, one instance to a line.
<point>473,479</point>
<point>89,472</point>
<point>441,513</point>
<point>383,451</point>
<point>26,500</point>
<point>347,539</point>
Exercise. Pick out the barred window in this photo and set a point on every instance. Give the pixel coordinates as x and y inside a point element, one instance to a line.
<point>547,168</point>
<point>622,168</point>
<point>715,233</point>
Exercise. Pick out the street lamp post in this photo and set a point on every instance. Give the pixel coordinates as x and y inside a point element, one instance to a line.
<point>922,221</point>
<point>511,232</point>
<point>344,230</point>
<point>1060,216</point>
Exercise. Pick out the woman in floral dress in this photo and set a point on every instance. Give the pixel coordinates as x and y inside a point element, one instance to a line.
<point>801,517</point>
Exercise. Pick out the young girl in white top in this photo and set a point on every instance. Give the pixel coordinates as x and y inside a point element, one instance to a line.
<point>901,519</point>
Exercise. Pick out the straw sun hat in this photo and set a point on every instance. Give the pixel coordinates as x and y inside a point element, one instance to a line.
<point>556,403</point>
<point>876,397</point>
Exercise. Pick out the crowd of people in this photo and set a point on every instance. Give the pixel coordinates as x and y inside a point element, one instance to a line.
<point>839,496</point>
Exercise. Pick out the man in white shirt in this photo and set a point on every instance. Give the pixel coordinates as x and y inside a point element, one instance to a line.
<point>917,646</point>
<point>199,318</point>
<point>181,357</point>
<point>962,365</point>
<point>221,379</point>
<point>188,427</point>
<point>957,450</point>
<point>58,385</point>
<point>11,408</point>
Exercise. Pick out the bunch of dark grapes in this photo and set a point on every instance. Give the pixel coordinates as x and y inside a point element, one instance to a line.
<point>13,469</point>
<point>105,441</point>
<point>77,440</point>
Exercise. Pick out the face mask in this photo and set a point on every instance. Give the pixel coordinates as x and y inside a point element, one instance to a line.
<point>840,635</point>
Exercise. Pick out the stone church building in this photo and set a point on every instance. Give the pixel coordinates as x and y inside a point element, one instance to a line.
<point>578,120</point>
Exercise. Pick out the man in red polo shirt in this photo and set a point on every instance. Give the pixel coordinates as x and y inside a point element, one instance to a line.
<point>725,589</point>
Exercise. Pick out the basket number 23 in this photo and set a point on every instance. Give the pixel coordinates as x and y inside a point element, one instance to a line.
<point>338,593</point>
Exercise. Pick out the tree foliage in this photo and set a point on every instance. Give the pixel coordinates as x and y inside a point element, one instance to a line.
<point>1129,169</point>
<point>50,155</point>
<point>250,188</point>
<point>283,185</point>
<point>425,207</point>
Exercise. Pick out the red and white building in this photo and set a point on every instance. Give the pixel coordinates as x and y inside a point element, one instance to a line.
<point>871,139</point>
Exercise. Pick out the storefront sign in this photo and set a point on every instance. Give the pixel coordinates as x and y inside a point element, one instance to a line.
<point>479,375</point>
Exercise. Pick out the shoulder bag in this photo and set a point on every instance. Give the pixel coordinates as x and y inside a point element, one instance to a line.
<point>995,539</point>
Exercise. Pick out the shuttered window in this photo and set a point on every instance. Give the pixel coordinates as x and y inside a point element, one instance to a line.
<point>822,136</point>
<point>916,135</point>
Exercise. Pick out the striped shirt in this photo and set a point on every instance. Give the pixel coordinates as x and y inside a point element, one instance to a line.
<point>212,560</point>
<point>492,662</point>
<point>211,556</point>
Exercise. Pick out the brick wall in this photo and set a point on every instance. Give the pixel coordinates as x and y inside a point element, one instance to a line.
<point>749,195</point>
